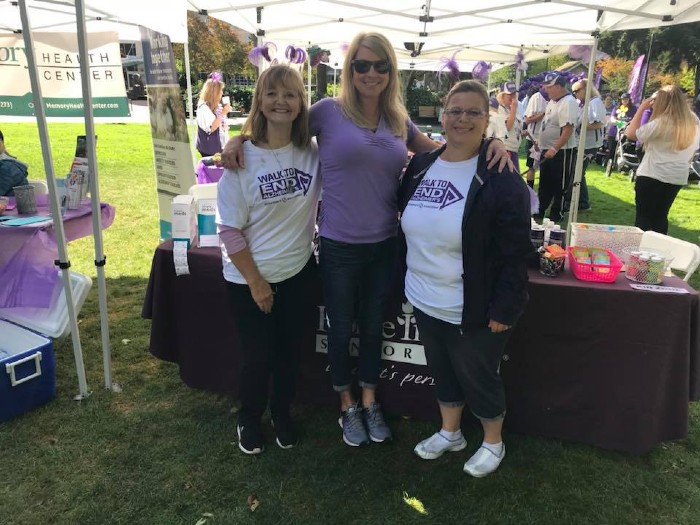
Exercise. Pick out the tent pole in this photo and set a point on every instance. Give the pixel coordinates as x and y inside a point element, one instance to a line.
<point>192,121</point>
<point>94,193</point>
<point>53,197</point>
<point>578,172</point>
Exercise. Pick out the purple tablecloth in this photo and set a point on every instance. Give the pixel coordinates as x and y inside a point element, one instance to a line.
<point>207,174</point>
<point>602,364</point>
<point>27,253</point>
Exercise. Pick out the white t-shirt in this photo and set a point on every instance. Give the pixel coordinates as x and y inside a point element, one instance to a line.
<point>205,119</point>
<point>536,104</point>
<point>497,125</point>
<point>660,162</point>
<point>596,113</point>
<point>512,138</point>
<point>273,202</point>
<point>432,223</point>
<point>558,114</point>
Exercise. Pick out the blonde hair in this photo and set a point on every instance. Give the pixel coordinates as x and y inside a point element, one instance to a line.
<point>278,76</point>
<point>501,94</point>
<point>677,124</point>
<point>210,93</point>
<point>391,99</point>
<point>581,84</point>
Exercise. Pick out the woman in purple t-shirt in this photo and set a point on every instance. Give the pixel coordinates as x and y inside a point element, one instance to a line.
<point>363,139</point>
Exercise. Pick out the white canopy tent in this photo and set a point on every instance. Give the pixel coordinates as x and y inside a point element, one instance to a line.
<point>26,16</point>
<point>493,32</point>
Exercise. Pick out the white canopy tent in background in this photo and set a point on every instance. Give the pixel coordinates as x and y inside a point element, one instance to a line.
<point>493,32</point>
<point>26,16</point>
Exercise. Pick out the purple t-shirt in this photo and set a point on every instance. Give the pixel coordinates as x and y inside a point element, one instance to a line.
<point>360,172</point>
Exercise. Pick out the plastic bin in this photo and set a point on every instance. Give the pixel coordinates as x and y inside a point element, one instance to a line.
<point>609,236</point>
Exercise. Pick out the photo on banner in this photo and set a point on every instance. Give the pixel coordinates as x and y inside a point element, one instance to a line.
<point>171,146</point>
<point>58,63</point>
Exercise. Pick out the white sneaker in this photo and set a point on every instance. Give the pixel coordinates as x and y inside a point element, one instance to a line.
<point>483,462</point>
<point>437,444</point>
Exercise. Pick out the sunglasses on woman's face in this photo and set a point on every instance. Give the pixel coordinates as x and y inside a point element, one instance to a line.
<point>362,66</point>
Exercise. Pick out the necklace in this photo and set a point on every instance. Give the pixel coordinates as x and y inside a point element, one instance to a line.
<point>290,186</point>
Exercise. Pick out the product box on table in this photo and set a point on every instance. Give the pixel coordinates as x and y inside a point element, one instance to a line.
<point>206,222</point>
<point>184,220</point>
<point>27,363</point>
<point>609,236</point>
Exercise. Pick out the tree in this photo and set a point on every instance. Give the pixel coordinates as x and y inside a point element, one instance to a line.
<point>214,46</point>
<point>673,46</point>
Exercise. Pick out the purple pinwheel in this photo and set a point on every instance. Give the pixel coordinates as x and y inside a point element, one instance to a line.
<point>265,51</point>
<point>295,55</point>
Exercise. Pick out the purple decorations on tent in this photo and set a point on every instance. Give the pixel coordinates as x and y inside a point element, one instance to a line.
<point>450,66</point>
<point>520,63</point>
<point>295,55</point>
<point>636,79</point>
<point>480,71</point>
<point>266,51</point>
<point>582,53</point>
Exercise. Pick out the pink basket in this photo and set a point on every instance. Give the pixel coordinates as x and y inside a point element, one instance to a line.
<point>597,273</point>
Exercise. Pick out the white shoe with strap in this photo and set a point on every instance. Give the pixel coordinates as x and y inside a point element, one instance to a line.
<point>484,462</point>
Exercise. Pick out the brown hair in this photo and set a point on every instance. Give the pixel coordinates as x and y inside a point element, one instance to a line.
<point>469,86</point>
<point>210,92</point>
<point>275,77</point>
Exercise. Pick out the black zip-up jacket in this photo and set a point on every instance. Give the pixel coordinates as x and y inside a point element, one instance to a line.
<point>495,239</point>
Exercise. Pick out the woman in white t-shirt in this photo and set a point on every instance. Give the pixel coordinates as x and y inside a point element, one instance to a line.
<point>266,215</point>
<point>467,235</point>
<point>670,138</point>
<point>212,130</point>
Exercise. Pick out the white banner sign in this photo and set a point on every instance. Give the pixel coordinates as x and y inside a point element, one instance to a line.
<point>58,65</point>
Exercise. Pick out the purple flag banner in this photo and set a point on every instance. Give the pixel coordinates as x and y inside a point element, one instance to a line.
<point>635,86</point>
<point>598,76</point>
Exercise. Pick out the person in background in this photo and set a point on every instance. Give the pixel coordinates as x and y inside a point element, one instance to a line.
<point>497,123</point>
<point>212,129</point>
<point>608,103</point>
<point>466,273</point>
<point>621,114</point>
<point>670,139</point>
<point>594,136</point>
<point>534,113</point>
<point>12,171</point>
<point>363,136</point>
<point>508,109</point>
<point>615,96</point>
<point>557,145</point>
<point>266,218</point>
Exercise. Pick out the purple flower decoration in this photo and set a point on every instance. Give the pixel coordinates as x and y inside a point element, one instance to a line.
<point>265,51</point>
<point>480,71</point>
<point>215,76</point>
<point>295,55</point>
<point>450,67</point>
<point>520,63</point>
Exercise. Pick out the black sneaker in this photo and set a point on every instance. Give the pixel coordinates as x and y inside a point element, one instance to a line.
<point>250,438</point>
<point>286,431</point>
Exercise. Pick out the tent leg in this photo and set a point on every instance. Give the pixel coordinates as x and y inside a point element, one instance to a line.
<point>190,109</point>
<point>53,198</point>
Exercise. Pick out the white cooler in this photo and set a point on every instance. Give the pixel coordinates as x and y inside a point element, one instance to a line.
<point>27,364</point>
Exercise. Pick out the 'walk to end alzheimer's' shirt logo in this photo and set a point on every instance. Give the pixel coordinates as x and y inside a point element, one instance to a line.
<point>284,182</point>
<point>436,191</point>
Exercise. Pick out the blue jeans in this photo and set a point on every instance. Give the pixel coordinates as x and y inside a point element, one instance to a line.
<point>356,280</point>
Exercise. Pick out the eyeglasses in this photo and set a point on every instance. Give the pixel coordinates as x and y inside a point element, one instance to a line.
<point>471,114</point>
<point>362,66</point>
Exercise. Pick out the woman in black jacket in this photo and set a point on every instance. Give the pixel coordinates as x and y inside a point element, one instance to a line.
<point>466,229</point>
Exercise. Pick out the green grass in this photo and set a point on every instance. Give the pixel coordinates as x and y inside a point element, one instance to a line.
<point>161,453</point>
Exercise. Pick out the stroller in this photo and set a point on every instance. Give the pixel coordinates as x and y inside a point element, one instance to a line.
<point>694,170</point>
<point>626,157</point>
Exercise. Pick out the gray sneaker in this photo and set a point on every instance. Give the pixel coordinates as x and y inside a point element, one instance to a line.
<point>376,426</point>
<point>354,433</point>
